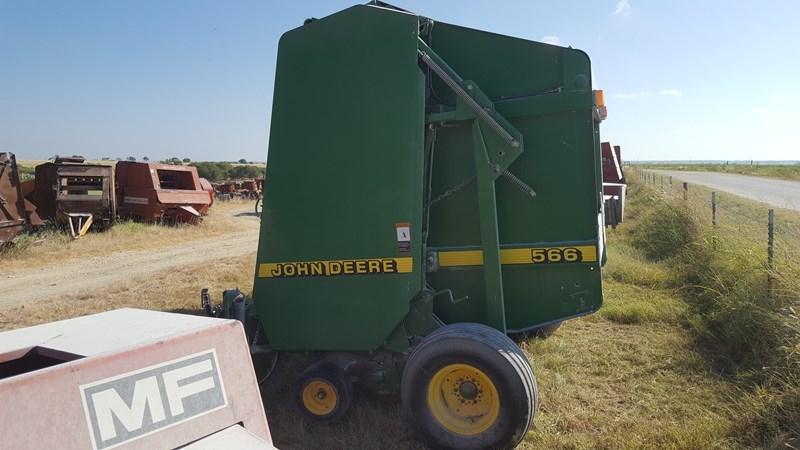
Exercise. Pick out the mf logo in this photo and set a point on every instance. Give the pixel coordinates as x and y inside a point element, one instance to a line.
<point>128,406</point>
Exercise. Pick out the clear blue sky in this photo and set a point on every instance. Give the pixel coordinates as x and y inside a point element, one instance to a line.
<point>683,80</point>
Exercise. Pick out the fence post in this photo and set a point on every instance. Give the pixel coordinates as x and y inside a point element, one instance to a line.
<point>662,181</point>
<point>670,180</point>
<point>713,208</point>
<point>685,190</point>
<point>770,250</point>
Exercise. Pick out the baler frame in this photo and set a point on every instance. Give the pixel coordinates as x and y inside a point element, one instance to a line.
<point>492,161</point>
<point>391,354</point>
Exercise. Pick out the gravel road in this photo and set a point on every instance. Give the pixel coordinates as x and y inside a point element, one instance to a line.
<point>778,193</point>
<point>96,272</point>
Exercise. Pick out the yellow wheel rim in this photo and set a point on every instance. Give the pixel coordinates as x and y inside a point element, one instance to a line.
<point>319,397</point>
<point>463,399</point>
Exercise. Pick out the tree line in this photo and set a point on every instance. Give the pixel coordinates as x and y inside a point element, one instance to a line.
<point>220,171</point>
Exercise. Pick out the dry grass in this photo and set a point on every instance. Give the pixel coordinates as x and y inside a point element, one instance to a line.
<point>603,385</point>
<point>42,248</point>
<point>615,386</point>
<point>177,290</point>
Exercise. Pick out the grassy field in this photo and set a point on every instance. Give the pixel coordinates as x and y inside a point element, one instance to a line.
<point>786,172</point>
<point>656,367</point>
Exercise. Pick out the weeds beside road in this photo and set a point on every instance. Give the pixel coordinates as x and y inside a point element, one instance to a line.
<point>743,312</point>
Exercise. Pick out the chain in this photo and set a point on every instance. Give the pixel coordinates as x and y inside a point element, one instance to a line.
<point>451,191</point>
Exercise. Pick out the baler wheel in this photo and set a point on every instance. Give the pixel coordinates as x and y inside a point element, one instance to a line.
<point>324,393</point>
<point>468,386</point>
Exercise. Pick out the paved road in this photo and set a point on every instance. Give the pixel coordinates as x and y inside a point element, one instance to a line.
<point>779,193</point>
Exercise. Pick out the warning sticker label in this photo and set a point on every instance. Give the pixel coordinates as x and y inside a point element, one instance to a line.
<point>403,232</point>
<point>336,267</point>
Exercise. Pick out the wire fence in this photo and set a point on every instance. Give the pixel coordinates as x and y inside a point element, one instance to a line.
<point>771,235</point>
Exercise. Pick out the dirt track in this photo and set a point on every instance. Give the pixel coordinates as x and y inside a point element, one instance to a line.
<point>88,274</point>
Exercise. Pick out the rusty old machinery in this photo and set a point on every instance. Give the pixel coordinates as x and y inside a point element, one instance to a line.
<point>77,196</point>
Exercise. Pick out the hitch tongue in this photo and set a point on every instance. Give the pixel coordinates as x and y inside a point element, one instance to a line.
<point>234,305</point>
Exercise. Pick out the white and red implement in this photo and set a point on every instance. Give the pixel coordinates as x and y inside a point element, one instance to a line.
<point>614,185</point>
<point>130,379</point>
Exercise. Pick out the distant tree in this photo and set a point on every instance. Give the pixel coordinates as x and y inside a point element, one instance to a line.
<point>145,158</point>
<point>106,158</point>
<point>187,160</point>
<point>131,158</point>
<point>77,156</point>
<point>119,159</point>
<point>213,171</point>
<point>175,160</point>
<point>242,161</point>
<point>240,172</point>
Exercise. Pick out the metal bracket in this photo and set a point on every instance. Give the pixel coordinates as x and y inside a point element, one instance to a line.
<point>490,239</point>
<point>484,111</point>
<point>505,144</point>
<point>496,144</point>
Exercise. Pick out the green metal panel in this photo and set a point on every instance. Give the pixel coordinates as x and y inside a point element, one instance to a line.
<point>545,92</point>
<point>345,166</point>
<point>487,146</point>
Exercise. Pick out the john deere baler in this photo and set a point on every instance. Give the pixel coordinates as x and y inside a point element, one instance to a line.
<point>431,190</point>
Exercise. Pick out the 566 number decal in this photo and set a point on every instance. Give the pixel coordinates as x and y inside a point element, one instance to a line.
<point>556,255</point>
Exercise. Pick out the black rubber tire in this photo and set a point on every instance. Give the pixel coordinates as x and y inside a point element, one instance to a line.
<point>493,353</point>
<point>333,374</point>
<point>540,333</point>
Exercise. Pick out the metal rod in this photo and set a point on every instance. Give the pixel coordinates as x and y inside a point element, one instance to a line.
<point>770,238</point>
<point>770,249</point>
<point>685,190</point>
<point>490,239</point>
<point>713,208</point>
<point>454,82</point>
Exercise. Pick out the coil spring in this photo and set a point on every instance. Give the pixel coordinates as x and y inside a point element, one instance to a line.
<point>519,184</point>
